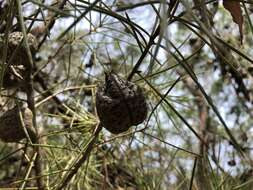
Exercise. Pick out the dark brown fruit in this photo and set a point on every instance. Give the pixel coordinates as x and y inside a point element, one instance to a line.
<point>11,128</point>
<point>14,39</point>
<point>120,104</point>
<point>14,80</point>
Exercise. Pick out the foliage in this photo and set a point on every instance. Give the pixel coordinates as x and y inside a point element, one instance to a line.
<point>190,59</point>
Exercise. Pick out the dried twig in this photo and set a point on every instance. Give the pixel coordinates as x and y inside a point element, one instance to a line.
<point>30,94</point>
<point>83,158</point>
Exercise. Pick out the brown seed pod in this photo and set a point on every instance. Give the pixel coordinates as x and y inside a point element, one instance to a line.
<point>120,104</point>
<point>14,78</point>
<point>14,39</point>
<point>11,127</point>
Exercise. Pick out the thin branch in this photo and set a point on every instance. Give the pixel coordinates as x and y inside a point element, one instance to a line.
<point>74,169</point>
<point>30,93</point>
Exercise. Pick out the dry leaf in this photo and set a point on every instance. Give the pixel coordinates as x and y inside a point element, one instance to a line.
<point>233,6</point>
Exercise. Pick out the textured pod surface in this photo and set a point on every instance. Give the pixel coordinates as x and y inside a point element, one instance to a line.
<point>120,104</point>
<point>14,39</point>
<point>11,128</point>
<point>10,80</point>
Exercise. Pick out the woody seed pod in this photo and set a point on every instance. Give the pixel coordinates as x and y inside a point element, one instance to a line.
<point>14,80</point>
<point>120,104</point>
<point>14,40</point>
<point>12,128</point>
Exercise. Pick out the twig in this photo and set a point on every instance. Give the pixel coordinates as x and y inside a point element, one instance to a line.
<point>5,48</point>
<point>208,98</point>
<point>30,93</point>
<point>83,158</point>
<point>79,19</point>
<point>143,55</point>
<point>28,172</point>
<point>63,90</point>
<point>193,173</point>
<point>51,23</point>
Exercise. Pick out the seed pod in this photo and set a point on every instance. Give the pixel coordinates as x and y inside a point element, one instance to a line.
<point>14,80</point>
<point>120,104</point>
<point>3,103</point>
<point>11,127</point>
<point>14,40</point>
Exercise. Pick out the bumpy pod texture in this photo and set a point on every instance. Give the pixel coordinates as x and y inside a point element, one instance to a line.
<point>10,81</point>
<point>11,127</point>
<point>14,40</point>
<point>120,104</point>
<point>17,57</point>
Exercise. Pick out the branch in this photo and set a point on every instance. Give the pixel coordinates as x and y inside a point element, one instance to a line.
<point>30,94</point>
<point>74,169</point>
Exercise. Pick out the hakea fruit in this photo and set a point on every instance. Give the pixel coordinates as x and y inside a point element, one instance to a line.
<point>14,124</point>
<point>16,52</point>
<point>120,104</point>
